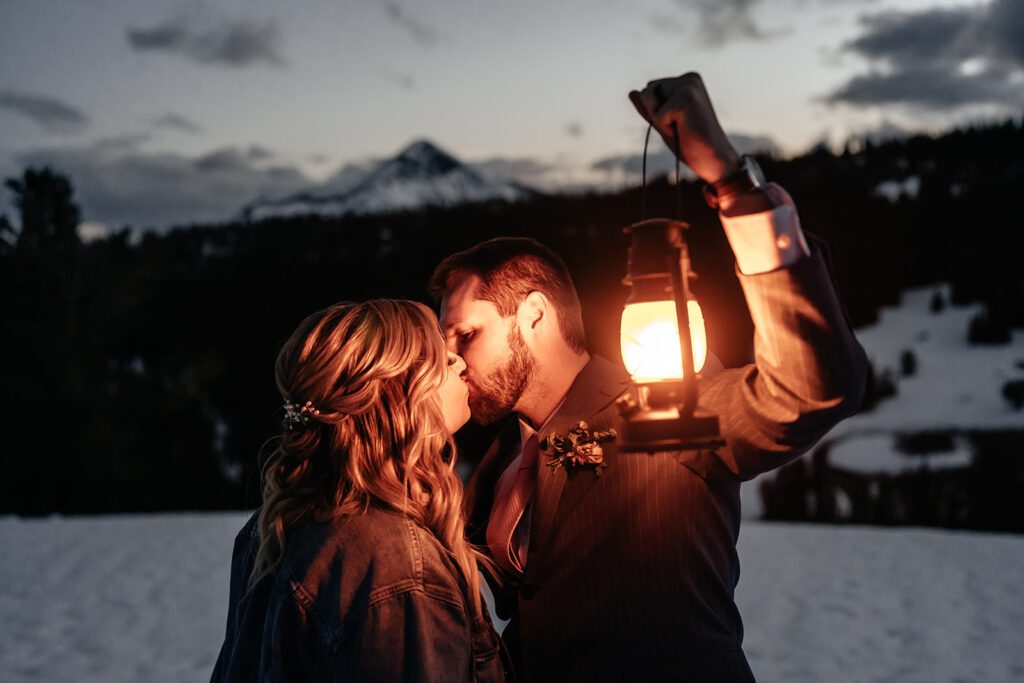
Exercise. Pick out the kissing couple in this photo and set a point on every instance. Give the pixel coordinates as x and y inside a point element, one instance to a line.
<point>365,559</point>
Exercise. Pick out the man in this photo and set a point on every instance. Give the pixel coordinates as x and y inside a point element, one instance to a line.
<point>630,575</point>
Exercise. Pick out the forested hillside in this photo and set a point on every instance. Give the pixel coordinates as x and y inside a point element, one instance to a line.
<point>137,372</point>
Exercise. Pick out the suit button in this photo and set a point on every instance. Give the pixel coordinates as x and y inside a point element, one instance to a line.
<point>527,591</point>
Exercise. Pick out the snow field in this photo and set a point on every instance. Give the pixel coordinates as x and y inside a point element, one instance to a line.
<point>129,598</point>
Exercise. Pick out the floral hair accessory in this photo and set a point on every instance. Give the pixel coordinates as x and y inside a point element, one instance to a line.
<point>581,447</point>
<point>296,415</point>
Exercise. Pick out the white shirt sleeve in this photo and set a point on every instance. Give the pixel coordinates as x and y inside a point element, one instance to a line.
<point>768,240</point>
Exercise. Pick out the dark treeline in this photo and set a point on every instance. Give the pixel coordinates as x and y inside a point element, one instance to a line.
<point>137,374</point>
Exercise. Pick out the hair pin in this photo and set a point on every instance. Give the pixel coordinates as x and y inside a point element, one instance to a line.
<point>295,415</point>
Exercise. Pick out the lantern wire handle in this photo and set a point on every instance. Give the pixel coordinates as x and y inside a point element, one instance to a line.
<point>643,175</point>
<point>679,186</point>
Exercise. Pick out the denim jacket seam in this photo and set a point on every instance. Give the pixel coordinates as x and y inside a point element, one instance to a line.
<point>391,590</point>
<point>417,550</point>
<point>306,604</point>
<point>443,596</point>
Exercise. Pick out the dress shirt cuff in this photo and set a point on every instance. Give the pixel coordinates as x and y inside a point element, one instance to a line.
<point>767,240</point>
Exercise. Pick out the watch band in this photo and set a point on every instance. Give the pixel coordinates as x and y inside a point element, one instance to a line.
<point>747,177</point>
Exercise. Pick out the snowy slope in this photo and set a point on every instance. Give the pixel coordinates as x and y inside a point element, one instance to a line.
<point>421,175</point>
<point>957,386</point>
<point>144,598</point>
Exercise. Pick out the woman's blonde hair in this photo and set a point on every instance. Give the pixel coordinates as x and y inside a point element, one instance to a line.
<point>373,371</point>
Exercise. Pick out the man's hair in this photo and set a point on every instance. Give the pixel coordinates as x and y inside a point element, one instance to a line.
<point>509,269</point>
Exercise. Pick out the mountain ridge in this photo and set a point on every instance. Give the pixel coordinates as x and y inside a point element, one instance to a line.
<point>420,175</point>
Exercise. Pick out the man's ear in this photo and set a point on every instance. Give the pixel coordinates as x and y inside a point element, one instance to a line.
<point>534,311</point>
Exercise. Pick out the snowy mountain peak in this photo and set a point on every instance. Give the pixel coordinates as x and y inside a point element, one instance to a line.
<point>421,175</point>
<point>428,156</point>
<point>422,160</point>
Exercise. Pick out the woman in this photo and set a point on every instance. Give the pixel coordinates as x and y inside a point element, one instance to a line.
<point>356,566</point>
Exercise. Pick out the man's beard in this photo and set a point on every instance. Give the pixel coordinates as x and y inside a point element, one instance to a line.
<point>493,397</point>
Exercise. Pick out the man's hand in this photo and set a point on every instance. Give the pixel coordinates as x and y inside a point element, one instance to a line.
<point>683,103</point>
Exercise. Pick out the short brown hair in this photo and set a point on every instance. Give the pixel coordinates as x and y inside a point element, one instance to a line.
<point>509,269</point>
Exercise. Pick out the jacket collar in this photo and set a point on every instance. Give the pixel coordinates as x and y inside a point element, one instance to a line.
<point>598,384</point>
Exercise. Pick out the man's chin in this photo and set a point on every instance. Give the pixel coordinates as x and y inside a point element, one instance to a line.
<point>484,413</point>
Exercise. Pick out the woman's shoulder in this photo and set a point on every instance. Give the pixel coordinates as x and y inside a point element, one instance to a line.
<point>357,560</point>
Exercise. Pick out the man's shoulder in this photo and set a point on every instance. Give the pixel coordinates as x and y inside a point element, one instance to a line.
<point>602,375</point>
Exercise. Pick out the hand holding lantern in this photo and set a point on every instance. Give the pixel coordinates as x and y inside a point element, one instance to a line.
<point>681,106</point>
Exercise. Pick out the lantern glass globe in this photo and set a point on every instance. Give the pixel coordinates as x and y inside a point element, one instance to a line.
<point>650,340</point>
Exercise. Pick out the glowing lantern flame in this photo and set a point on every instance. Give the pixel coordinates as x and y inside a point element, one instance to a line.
<point>650,340</point>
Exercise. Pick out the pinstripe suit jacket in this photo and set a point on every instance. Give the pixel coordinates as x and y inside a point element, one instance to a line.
<point>631,576</point>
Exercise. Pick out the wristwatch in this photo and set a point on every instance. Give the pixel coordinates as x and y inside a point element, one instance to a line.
<point>747,177</point>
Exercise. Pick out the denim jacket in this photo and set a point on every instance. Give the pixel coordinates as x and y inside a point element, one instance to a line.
<point>372,597</point>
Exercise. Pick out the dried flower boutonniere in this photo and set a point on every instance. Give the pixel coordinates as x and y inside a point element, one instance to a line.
<point>581,447</point>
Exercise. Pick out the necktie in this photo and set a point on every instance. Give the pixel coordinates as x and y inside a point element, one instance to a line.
<point>508,510</point>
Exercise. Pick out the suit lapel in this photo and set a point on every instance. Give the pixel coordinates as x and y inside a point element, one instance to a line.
<point>598,384</point>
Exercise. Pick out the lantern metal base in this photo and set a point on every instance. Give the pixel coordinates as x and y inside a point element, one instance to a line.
<point>651,430</point>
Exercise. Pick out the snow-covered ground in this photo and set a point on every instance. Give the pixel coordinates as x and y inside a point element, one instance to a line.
<point>955,386</point>
<point>143,598</point>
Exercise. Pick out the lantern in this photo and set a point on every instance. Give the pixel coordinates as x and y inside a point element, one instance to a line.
<point>663,344</point>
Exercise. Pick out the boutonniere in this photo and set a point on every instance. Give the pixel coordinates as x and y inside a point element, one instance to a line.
<point>581,447</point>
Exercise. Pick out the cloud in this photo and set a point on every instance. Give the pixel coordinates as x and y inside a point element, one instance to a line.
<point>258,153</point>
<point>125,142</point>
<point>945,57</point>
<point>884,132</point>
<point>211,41</point>
<point>525,170</point>
<point>52,115</point>
<point>931,88</point>
<point>915,38</point>
<point>1007,27</point>
<point>177,122</point>
<point>628,168</point>
<point>754,144</point>
<point>722,21</point>
<point>719,22</point>
<point>402,80</point>
<point>121,185</point>
<point>422,33</point>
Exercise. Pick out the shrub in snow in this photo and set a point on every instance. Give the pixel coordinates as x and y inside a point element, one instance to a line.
<point>986,328</point>
<point>908,363</point>
<point>1013,392</point>
<point>924,443</point>
<point>881,385</point>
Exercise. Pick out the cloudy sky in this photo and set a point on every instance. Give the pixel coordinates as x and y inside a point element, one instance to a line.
<point>167,111</point>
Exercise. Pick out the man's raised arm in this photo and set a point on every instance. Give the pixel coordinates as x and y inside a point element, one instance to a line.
<point>809,372</point>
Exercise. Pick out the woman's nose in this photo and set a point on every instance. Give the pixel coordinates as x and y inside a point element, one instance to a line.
<point>460,364</point>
